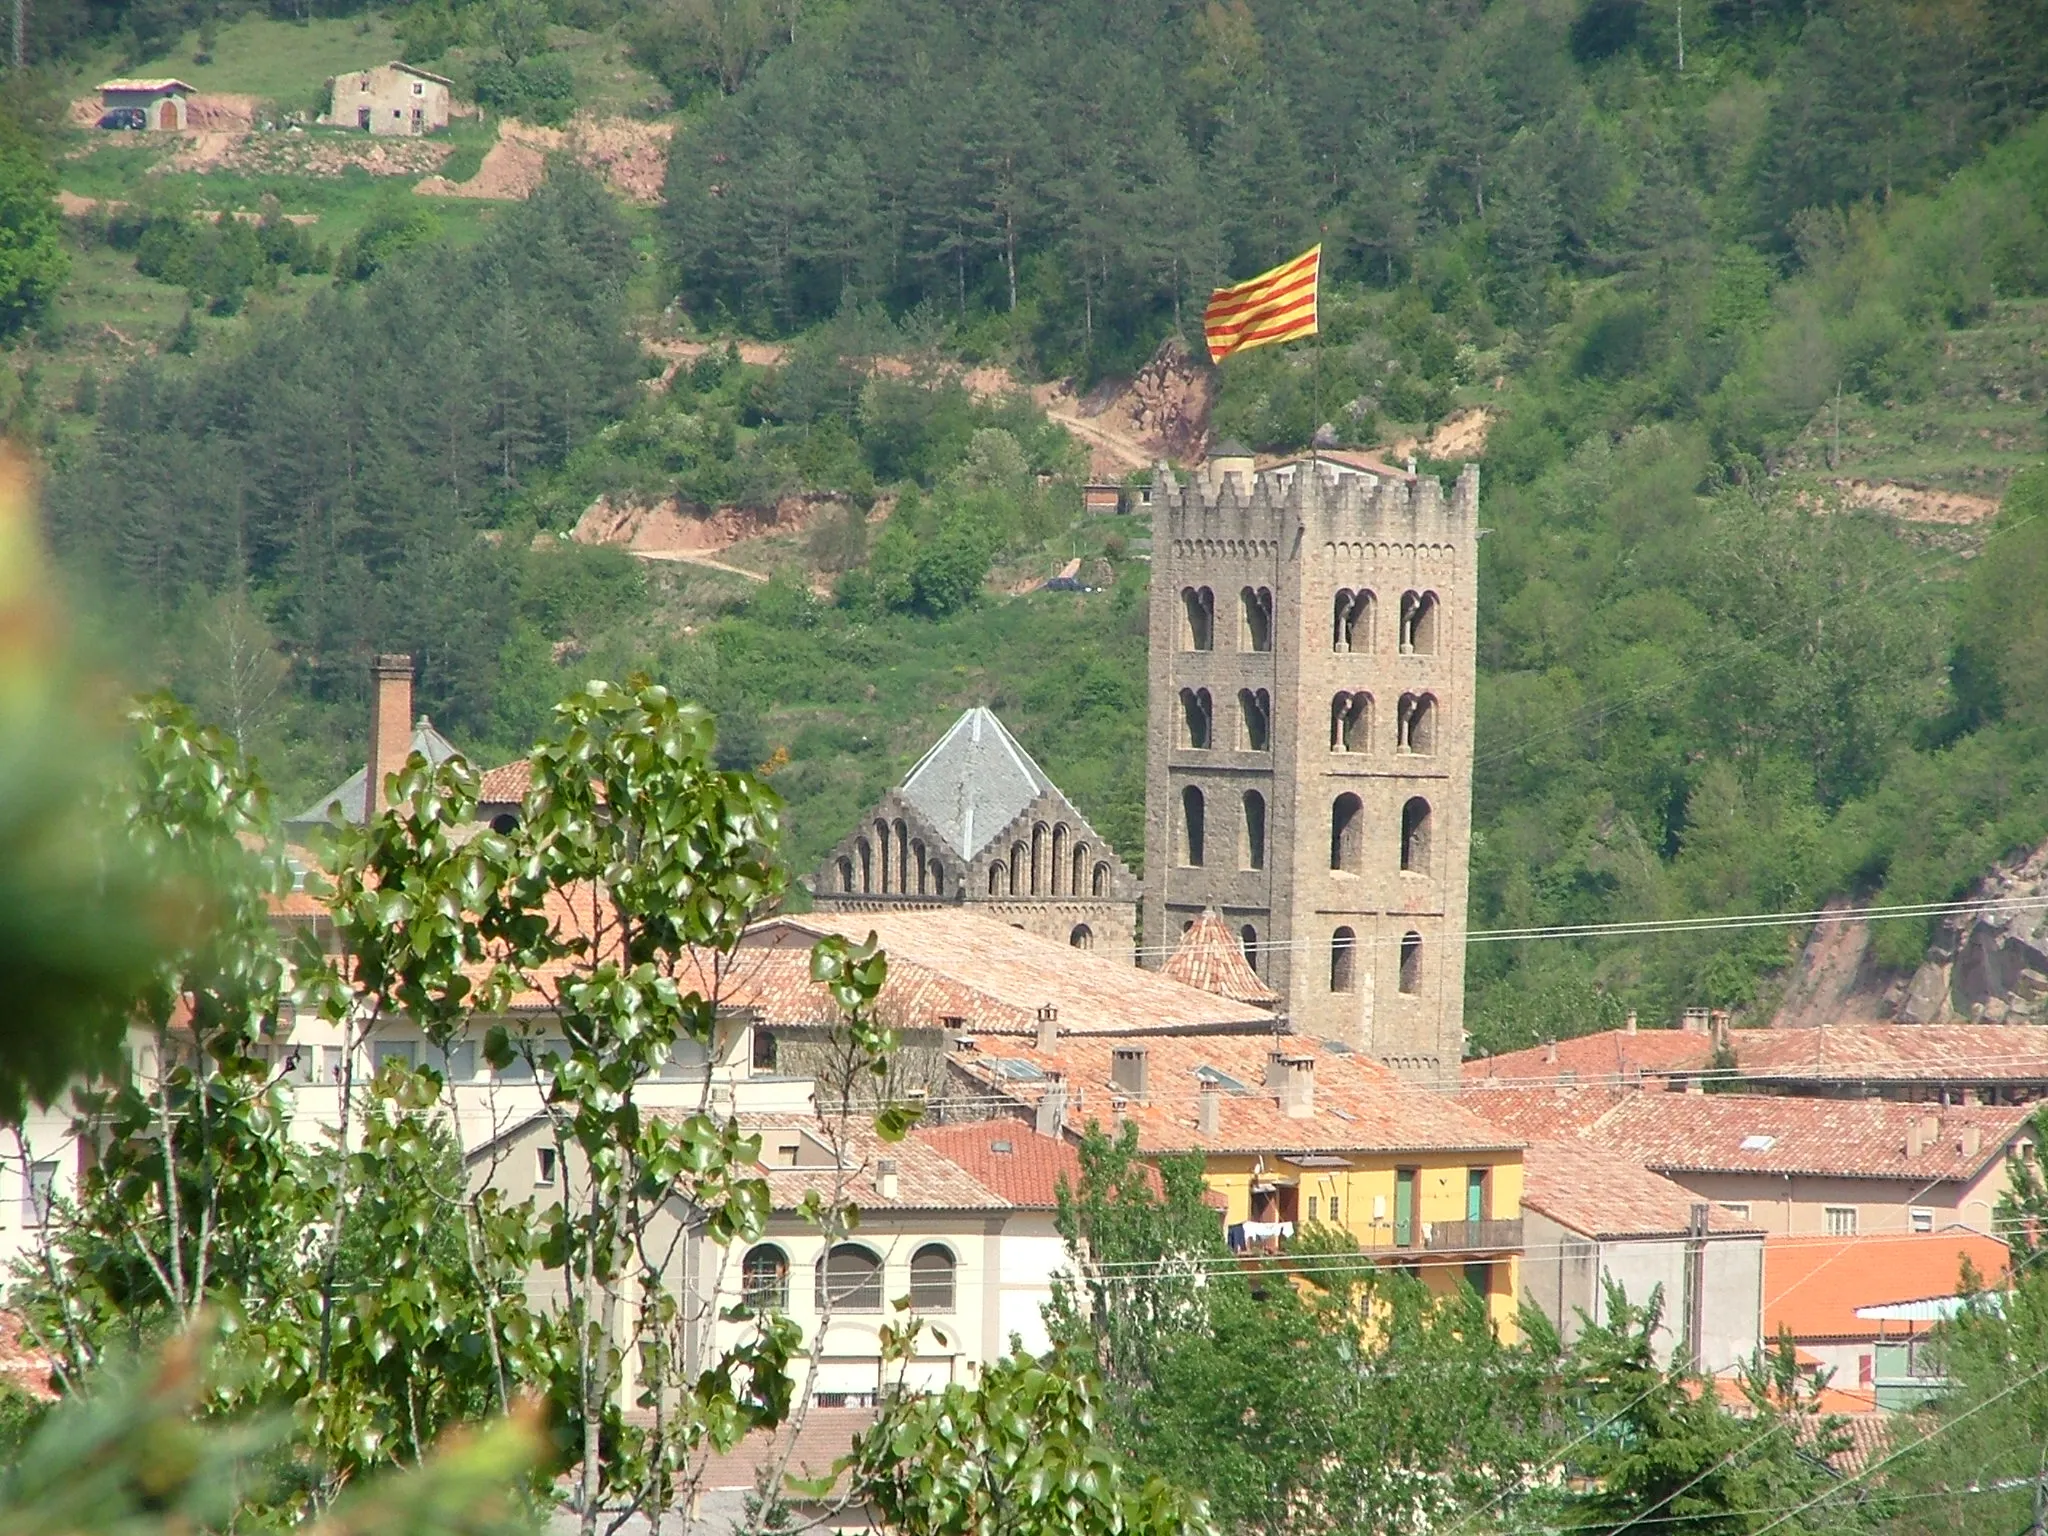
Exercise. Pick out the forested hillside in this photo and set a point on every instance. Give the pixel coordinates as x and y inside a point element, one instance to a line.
<point>1689,283</point>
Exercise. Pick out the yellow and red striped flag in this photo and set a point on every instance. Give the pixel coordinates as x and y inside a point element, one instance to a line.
<point>1279,305</point>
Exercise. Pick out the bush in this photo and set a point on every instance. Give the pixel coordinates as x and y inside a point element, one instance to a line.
<point>538,90</point>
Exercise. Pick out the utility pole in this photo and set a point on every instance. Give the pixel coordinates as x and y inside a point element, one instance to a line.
<point>20,49</point>
<point>1696,1287</point>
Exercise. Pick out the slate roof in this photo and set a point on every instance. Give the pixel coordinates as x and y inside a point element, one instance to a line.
<point>974,782</point>
<point>1599,1193</point>
<point>1210,957</point>
<point>1813,1286</point>
<point>1359,1105</point>
<point>426,741</point>
<point>956,963</point>
<point>1758,1133</point>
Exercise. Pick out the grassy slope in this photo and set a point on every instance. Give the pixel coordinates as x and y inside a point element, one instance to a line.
<point>278,61</point>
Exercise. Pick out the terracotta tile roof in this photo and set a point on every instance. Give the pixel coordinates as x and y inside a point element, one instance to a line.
<point>1613,1057</point>
<point>1813,1286</point>
<point>1209,957</point>
<point>958,964</point>
<point>1978,1053</point>
<point>1597,1193</point>
<point>505,784</point>
<point>1973,1053</point>
<point>1537,1114</point>
<point>1009,1157</point>
<point>1757,1133</point>
<point>1358,1105</point>
<point>165,84</point>
<point>926,1178</point>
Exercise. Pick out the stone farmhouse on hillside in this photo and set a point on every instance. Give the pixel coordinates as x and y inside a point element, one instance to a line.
<point>978,823</point>
<point>394,98</point>
<point>162,102</point>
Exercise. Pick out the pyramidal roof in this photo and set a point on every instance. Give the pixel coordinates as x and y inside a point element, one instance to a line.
<point>1209,957</point>
<point>974,782</point>
<point>426,741</point>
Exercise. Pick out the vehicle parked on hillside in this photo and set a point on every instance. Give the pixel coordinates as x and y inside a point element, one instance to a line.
<point>125,117</point>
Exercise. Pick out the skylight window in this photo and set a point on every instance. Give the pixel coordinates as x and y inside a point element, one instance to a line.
<point>1758,1143</point>
<point>1020,1071</point>
<point>1221,1079</point>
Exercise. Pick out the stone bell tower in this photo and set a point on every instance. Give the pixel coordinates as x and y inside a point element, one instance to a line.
<point>1309,755</point>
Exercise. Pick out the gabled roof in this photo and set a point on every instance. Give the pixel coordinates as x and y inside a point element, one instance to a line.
<point>506,784</point>
<point>1602,1194</point>
<point>1358,1104</point>
<point>1813,1286</point>
<point>1613,1056</point>
<point>1973,1053</point>
<point>974,782</point>
<point>1852,1138</point>
<point>1539,1114</point>
<point>426,741</point>
<point>1210,957</point>
<point>414,69</point>
<point>1009,1157</point>
<point>166,84</point>
<point>956,963</point>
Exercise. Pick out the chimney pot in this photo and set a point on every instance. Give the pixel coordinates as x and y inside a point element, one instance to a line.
<point>1127,1072</point>
<point>886,1183</point>
<point>1629,1028</point>
<point>1550,1053</point>
<point>391,727</point>
<point>1209,1110</point>
<point>1048,1029</point>
<point>1973,1140</point>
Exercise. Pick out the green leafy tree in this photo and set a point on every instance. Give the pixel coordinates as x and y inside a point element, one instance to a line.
<point>33,262</point>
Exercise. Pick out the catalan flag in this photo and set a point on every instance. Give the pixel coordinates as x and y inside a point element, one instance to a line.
<point>1279,305</point>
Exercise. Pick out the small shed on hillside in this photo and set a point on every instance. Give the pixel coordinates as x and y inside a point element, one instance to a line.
<point>162,101</point>
<point>391,98</point>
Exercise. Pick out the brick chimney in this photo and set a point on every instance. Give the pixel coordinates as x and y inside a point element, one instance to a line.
<point>390,726</point>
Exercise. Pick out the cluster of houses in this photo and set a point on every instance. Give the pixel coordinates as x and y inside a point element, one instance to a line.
<point>394,98</point>
<point>1830,1185</point>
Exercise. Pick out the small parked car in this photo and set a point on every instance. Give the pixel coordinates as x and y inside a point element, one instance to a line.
<point>125,117</point>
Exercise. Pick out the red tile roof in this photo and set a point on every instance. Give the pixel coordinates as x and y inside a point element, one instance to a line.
<point>1597,1193</point>
<point>1008,1157</point>
<point>1758,1133</point>
<point>1613,1057</point>
<point>1813,1286</point>
<point>1536,1114</point>
<point>955,964</point>
<point>1358,1105</point>
<point>1210,957</point>
<point>505,784</point>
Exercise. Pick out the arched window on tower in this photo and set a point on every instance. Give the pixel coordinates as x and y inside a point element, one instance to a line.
<point>1256,604</point>
<point>1418,623</point>
<point>1411,963</point>
<point>1252,853</point>
<point>1343,960</point>
<point>1196,716</point>
<point>1347,833</point>
<point>1198,619</point>
<point>1083,937</point>
<point>1255,713</point>
<point>1248,944</point>
<point>1415,820</point>
<point>1351,722</point>
<point>1192,811</point>
<point>1415,725</point>
<point>1351,622</point>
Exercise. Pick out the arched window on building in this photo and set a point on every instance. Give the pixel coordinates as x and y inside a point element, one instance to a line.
<point>1418,623</point>
<point>1083,937</point>
<point>1080,882</point>
<point>931,1279</point>
<point>865,853</point>
<point>1100,885</point>
<point>906,872</point>
<point>884,883</point>
<point>1411,963</point>
<point>1343,960</point>
<point>1248,942</point>
<point>1196,712</point>
<point>1058,868</point>
<point>938,878</point>
<point>1415,725</point>
<point>1020,868</point>
<point>1041,836</point>
<point>845,876</point>
<point>1347,833</point>
<point>998,878</point>
<point>764,1279</point>
<point>924,874</point>
<point>1255,715</point>
<point>849,1279</point>
<point>1252,851</point>
<point>1351,624</point>
<point>1256,605</point>
<point>1415,837</point>
<point>1198,619</point>
<point>1192,810</point>
<point>1351,722</point>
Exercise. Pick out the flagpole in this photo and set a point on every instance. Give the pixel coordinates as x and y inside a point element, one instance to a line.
<point>1315,426</point>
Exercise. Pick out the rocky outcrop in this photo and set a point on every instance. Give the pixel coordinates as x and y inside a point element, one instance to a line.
<point>1987,967</point>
